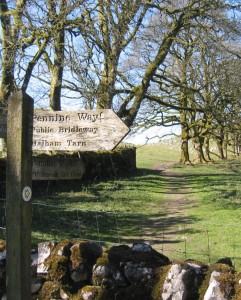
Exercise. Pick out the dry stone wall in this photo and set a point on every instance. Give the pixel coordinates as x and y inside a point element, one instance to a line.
<point>96,166</point>
<point>83,270</point>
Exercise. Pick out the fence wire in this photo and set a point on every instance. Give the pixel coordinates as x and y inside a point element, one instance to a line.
<point>206,242</point>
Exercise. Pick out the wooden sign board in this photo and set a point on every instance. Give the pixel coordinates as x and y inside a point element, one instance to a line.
<point>57,168</point>
<point>87,130</point>
<point>3,125</point>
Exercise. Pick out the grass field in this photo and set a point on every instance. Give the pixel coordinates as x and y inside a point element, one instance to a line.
<point>216,207</point>
<point>128,210</point>
<point>213,226</point>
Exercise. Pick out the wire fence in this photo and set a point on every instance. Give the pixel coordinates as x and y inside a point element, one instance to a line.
<point>206,242</point>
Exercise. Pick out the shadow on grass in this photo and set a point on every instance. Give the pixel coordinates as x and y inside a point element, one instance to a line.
<point>87,191</point>
<point>48,188</point>
<point>142,179</point>
<point>52,219</point>
<point>106,227</point>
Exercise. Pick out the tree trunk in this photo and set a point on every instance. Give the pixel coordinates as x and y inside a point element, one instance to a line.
<point>184,139</point>
<point>198,147</point>
<point>220,143</point>
<point>225,146</point>
<point>236,144</point>
<point>57,19</point>
<point>57,71</point>
<point>9,47</point>
<point>184,152</point>
<point>106,89</point>
<point>220,148</point>
<point>206,146</point>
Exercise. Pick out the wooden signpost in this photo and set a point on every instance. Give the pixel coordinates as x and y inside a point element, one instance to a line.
<point>18,202</point>
<point>29,131</point>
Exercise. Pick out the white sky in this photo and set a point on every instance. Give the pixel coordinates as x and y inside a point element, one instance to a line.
<point>152,135</point>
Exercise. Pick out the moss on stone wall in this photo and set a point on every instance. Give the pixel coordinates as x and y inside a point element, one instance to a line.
<point>160,276</point>
<point>226,272</point>
<point>109,164</point>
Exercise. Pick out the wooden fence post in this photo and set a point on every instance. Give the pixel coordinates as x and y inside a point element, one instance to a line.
<point>18,202</point>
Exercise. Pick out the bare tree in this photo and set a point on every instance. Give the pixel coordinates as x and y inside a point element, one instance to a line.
<point>188,81</point>
<point>63,16</point>
<point>23,42</point>
<point>113,53</point>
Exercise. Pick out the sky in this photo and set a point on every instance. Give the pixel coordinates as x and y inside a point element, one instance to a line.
<point>152,135</point>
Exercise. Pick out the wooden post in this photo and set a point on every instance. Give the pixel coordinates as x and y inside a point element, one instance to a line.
<point>18,204</point>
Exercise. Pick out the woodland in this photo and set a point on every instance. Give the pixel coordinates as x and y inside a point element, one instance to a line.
<point>154,62</point>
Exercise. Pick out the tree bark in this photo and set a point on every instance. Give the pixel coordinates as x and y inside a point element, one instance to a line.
<point>220,143</point>
<point>56,68</point>
<point>198,147</point>
<point>184,159</point>
<point>9,48</point>
<point>206,146</point>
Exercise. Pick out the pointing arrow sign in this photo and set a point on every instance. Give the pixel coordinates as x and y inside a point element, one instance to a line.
<point>87,130</point>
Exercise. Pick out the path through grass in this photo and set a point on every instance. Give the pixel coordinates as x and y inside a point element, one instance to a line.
<point>183,211</point>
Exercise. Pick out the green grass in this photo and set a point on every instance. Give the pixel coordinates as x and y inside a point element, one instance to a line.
<point>153,154</point>
<point>128,210</point>
<point>215,210</point>
<point>218,189</point>
<point>119,211</point>
<point>108,211</point>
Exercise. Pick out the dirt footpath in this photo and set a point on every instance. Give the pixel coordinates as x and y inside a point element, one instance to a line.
<point>166,233</point>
